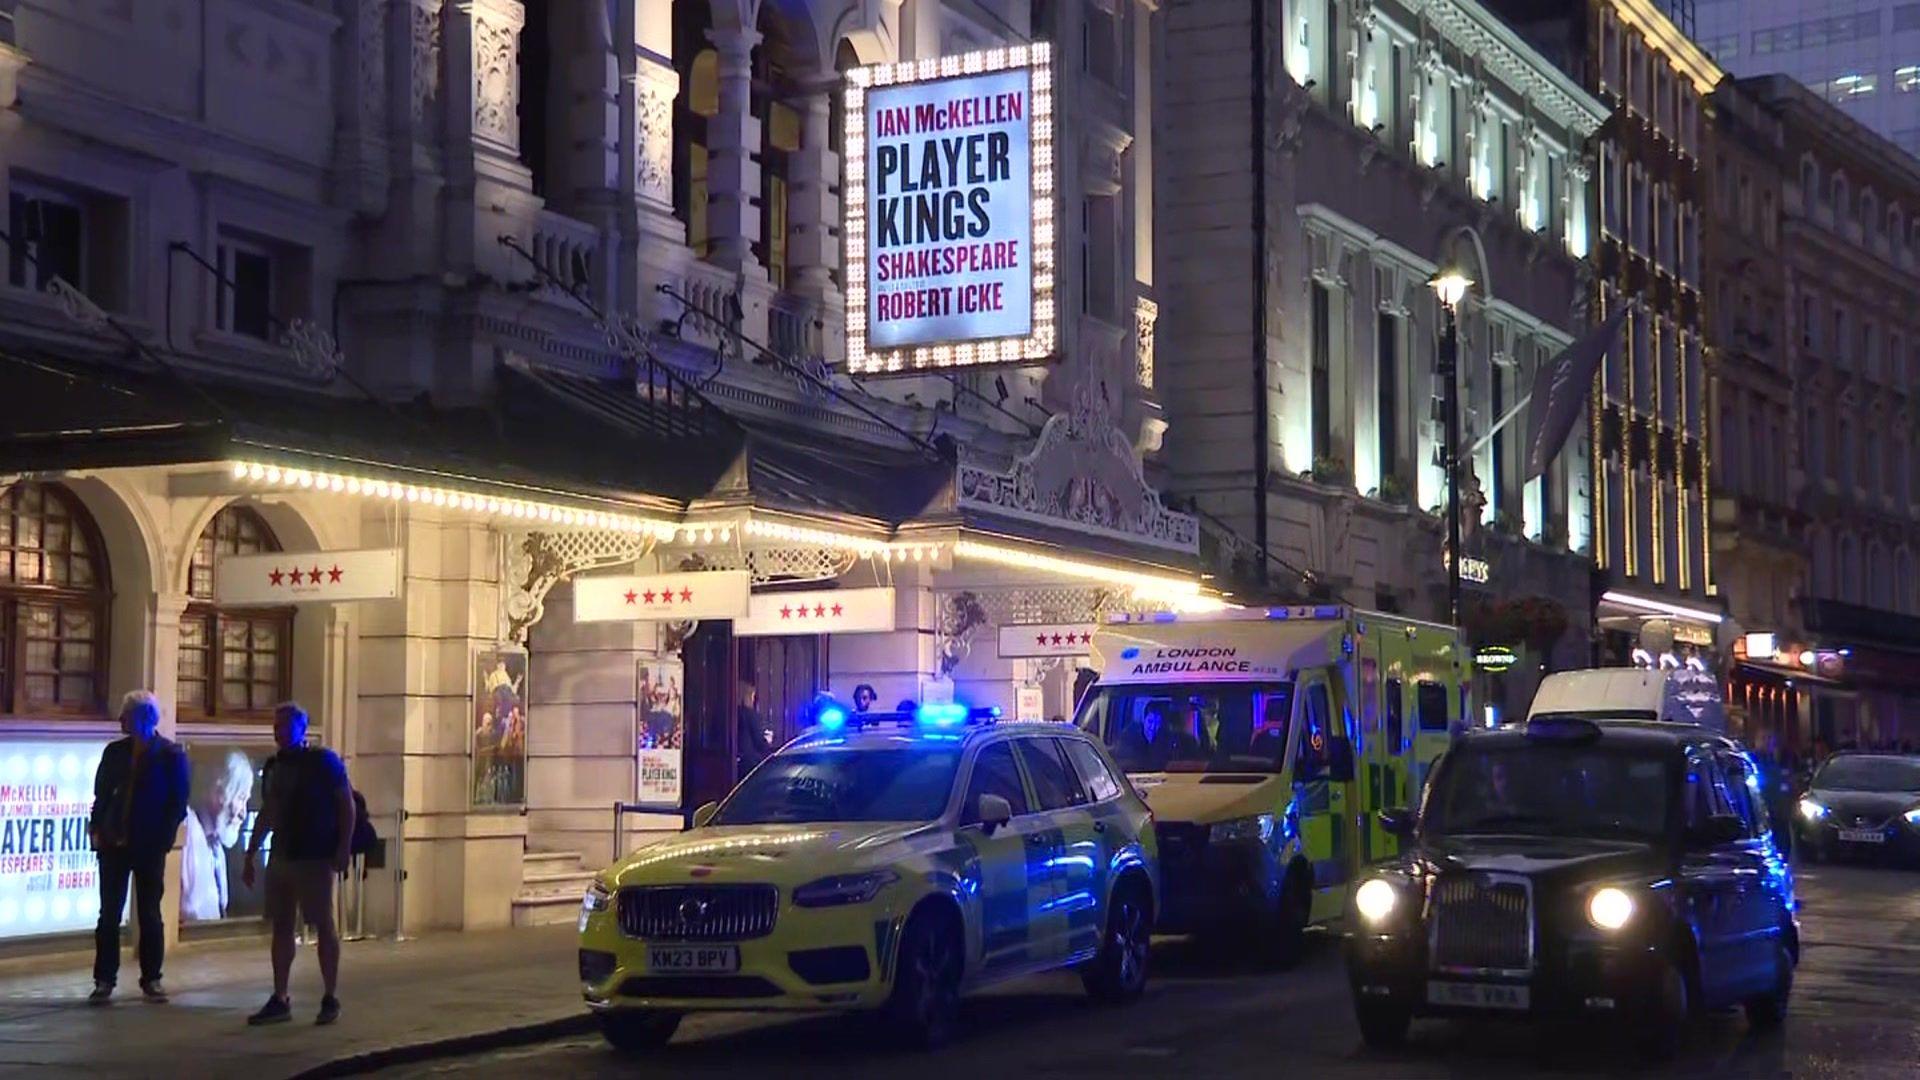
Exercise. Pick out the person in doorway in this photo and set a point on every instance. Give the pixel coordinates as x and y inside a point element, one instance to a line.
<point>308,809</point>
<point>864,696</point>
<point>139,800</point>
<point>755,742</point>
<point>219,813</point>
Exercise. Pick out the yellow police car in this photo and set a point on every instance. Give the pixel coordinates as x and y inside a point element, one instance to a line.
<point>883,862</point>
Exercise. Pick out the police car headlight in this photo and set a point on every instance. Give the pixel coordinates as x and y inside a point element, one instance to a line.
<point>843,889</point>
<point>1609,908</point>
<point>1812,809</point>
<point>1376,898</point>
<point>1258,827</point>
<point>1913,817</point>
<point>598,898</point>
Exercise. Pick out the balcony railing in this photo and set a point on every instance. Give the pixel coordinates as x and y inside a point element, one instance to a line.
<point>569,250</point>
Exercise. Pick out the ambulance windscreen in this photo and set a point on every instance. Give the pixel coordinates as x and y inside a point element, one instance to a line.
<point>1193,727</point>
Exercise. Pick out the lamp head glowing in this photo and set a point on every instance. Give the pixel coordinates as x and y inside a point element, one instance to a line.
<point>1450,286</point>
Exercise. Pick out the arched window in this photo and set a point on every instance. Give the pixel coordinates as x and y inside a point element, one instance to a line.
<point>1841,202</point>
<point>1904,598</point>
<point>1896,230</point>
<point>1822,568</point>
<point>1849,569</point>
<point>234,662</point>
<point>54,596</point>
<point>774,92</point>
<point>1809,184</point>
<point>1869,214</point>
<point>698,101</point>
<point>1879,576</point>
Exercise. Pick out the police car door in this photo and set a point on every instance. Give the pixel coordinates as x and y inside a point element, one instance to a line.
<point>1076,867</point>
<point>1011,881</point>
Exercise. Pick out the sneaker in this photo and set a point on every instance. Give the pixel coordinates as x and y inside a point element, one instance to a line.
<point>154,992</point>
<point>329,1011</point>
<point>275,1011</point>
<point>102,993</point>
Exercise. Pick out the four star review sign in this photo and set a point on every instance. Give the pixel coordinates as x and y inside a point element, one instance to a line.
<point>712,594</point>
<point>1046,639</point>
<point>291,577</point>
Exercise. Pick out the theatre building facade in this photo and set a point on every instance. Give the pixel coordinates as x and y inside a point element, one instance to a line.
<point>478,376</point>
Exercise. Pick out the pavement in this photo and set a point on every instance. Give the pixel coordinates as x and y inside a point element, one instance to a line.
<point>1855,1014</point>
<point>401,1001</point>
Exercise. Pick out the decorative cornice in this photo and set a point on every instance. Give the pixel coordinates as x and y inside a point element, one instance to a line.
<point>1477,32</point>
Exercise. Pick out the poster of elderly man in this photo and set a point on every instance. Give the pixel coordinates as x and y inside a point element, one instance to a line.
<point>220,816</point>
<point>499,726</point>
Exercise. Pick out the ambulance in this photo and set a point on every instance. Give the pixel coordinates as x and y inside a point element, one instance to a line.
<point>1264,741</point>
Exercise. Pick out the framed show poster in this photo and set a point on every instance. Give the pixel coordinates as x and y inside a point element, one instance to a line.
<point>660,733</point>
<point>222,810</point>
<point>499,726</point>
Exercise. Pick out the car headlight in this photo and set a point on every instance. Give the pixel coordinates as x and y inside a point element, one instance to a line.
<point>598,898</point>
<point>1376,898</point>
<point>1258,827</point>
<point>843,889</point>
<point>1609,908</point>
<point>1812,809</point>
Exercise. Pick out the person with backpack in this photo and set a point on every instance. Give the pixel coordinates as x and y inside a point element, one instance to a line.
<point>309,809</point>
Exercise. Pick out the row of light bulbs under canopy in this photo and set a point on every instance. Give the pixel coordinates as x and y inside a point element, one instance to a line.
<point>1176,591</point>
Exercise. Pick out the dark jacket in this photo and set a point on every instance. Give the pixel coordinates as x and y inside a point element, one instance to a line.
<point>159,796</point>
<point>754,745</point>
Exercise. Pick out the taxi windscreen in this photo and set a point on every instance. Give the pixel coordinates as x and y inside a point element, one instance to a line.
<point>844,785</point>
<point>1548,790</point>
<point>1192,727</point>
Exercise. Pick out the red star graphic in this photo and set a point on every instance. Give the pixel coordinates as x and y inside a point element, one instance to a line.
<point>686,596</point>
<point>296,576</point>
<point>837,610</point>
<point>333,575</point>
<point>666,597</point>
<point>632,596</point>
<point>786,612</point>
<point>648,596</point>
<point>313,575</point>
<point>275,577</point>
<point>819,611</point>
<point>1056,639</point>
<point>803,611</point>
<point>1040,639</point>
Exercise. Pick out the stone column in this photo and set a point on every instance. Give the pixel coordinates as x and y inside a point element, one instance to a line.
<point>733,137</point>
<point>813,237</point>
<point>163,631</point>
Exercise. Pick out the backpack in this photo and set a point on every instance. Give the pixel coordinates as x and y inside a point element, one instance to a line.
<point>365,839</point>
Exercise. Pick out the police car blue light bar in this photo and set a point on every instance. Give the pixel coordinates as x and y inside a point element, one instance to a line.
<point>1294,613</point>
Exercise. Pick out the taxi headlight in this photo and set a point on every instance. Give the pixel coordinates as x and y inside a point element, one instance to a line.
<point>843,889</point>
<point>1812,809</point>
<point>1609,908</point>
<point>1376,898</point>
<point>1258,827</point>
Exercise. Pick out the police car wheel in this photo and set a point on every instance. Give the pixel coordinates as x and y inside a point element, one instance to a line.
<point>1382,1026</point>
<point>925,1006</point>
<point>1119,972</point>
<point>634,1030</point>
<point>1769,1010</point>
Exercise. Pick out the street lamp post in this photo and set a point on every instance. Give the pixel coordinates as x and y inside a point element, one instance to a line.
<point>1450,286</point>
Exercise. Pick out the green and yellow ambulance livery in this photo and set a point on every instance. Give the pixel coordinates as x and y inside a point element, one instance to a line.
<point>1264,740</point>
<point>881,862</point>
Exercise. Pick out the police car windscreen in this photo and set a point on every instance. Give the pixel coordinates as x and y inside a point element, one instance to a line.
<point>844,785</point>
<point>1546,790</point>
<point>1865,773</point>
<point>1193,727</point>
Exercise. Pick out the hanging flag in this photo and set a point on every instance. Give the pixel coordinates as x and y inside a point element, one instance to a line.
<point>1560,392</point>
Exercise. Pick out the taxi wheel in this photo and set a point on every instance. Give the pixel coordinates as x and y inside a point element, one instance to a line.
<point>1667,1017</point>
<point>635,1030</point>
<point>925,1006</point>
<point>1769,1011</point>
<point>1382,1026</point>
<point>1119,972</point>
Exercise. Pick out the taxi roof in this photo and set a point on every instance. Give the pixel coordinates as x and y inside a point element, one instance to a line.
<point>1642,733</point>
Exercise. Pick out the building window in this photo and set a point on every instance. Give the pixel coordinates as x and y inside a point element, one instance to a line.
<point>1099,256</point>
<point>1387,405</point>
<point>1816,444</point>
<point>262,284</point>
<point>1841,342</point>
<point>234,663</point>
<point>698,102</point>
<point>1904,598</point>
<point>1852,86</point>
<point>1322,403</point>
<point>1843,455</point>
<point>1809,185</point>
<point>1849,568</point>
<point>54,596</point>
<point>74,236</point>
<point>1100,44</point>
<point>1842,204</point>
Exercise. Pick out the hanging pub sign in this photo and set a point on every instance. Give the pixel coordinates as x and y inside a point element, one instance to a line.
<point>705,594</point>
<point>825,611</point>
<point>1496,658</point>
<point>1033,640</point>
<point>949,211</point>
<point>293,577</point>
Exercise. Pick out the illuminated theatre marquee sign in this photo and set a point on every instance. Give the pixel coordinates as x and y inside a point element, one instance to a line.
<point>949,212</point>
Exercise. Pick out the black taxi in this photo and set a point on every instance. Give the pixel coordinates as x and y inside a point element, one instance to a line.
<point>1565,868</point>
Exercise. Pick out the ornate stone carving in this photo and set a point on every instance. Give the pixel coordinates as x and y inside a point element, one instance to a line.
<point>424,28</point>
<point>787,565</point>
<point>537,561</point>
<point>496,81</point>
<point>1082,472</point>
<point>1145,314</point>
<point>76,305</point>
<point>653,136</point>
<point>313,349</point>
<point>961,616</point>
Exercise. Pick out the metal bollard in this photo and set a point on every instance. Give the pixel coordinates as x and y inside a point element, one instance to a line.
<point>399,867</point>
